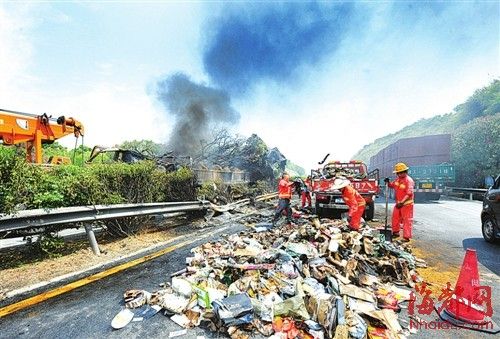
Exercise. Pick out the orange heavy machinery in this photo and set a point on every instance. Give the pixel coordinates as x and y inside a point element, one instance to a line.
<point>35,130</point>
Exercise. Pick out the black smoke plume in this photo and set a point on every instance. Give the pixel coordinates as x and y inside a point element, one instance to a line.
<point>197,108</point>
<point>272,41</point>
<point>246,45</point>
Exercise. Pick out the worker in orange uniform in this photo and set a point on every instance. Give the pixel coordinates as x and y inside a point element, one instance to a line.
<point>284,195</point>
<point>306,193</point>
<point>353,200</point>
<point>402,213</point>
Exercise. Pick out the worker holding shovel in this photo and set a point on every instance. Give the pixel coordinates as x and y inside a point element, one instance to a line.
<point>353,199</point>
<point>402,213</point>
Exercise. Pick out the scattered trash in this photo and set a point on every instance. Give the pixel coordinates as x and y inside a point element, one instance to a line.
<point>234,310</point>
<point>315,279</point>
<point>181,320</point>
<point>263,227</point>
<point>136,298</point>
<point>177,333</point>
<point>122,319</point>
<point>146,312</point>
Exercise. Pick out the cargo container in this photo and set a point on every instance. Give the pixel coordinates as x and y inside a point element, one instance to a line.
<point>429,159</point>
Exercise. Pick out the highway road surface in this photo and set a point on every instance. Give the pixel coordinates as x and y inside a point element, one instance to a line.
<point>442,232</point>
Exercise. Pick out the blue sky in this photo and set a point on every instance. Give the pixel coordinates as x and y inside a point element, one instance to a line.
<point>309,78</point>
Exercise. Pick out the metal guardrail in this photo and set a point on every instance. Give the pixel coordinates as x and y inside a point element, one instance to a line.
<point>465,190</point>
<point>39,218</point>
<point>67,215</point>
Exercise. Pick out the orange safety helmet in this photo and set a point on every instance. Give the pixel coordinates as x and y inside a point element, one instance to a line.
<point>400,167</point>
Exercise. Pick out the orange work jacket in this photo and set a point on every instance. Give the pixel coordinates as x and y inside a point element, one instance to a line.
<point>352,199</point>
<point>403,186</point>
<point>284,189</point>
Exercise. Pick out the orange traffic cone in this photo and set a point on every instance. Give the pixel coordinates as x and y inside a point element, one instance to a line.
<point>461,309</point>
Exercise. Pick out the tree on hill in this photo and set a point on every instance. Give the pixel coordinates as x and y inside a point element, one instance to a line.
<point>475,150</point>
<point>484,101</point>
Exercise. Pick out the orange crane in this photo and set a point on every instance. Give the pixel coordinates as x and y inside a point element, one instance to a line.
<point>35,130</point>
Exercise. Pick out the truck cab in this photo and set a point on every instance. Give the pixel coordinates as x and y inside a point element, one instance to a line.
<point>430,180</point>
<point>329,201</point>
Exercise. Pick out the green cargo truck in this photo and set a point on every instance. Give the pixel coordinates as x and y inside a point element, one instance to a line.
<point>430,180</point>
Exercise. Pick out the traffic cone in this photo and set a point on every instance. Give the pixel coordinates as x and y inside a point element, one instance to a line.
<point>460,309</point>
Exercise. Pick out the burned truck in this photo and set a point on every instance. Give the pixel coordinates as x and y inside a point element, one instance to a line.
<point>168,161</point>
<point>329,202</point>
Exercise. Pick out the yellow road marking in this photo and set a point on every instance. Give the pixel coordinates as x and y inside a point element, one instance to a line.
<point>9,309</point>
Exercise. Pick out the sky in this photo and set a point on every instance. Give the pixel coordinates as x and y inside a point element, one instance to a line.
<point>309,78</point>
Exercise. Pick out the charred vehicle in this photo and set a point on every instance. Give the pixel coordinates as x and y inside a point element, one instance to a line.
<point>168,161</point>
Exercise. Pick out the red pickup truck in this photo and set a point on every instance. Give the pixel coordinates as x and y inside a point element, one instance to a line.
<point>330,201</point>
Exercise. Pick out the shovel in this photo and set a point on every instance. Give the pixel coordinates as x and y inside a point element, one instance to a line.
<point>386,232</point>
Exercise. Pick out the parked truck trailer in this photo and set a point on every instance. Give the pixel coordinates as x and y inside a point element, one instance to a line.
<point>429,159</point>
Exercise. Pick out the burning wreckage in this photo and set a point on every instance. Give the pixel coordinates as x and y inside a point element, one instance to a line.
<point>316,279</point>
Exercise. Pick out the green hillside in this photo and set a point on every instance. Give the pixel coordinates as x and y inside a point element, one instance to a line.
<point>474,126</point>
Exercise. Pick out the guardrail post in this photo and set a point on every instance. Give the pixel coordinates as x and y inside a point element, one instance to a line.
<point>92,240</point>
<point>470,196</point>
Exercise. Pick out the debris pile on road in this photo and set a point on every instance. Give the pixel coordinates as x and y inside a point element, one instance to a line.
<point>316,279</point>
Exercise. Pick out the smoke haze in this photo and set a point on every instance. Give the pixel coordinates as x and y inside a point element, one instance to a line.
<point>196,108</point>
<point>272,42</point>
<point>382,65</point>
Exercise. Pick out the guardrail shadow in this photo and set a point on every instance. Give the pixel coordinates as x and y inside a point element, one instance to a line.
<point>487,254</point>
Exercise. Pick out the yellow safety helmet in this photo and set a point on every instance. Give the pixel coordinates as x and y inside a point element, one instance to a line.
<point>400,167</point>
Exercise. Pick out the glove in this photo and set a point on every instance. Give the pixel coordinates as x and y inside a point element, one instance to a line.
<point>387,180</point>
<point>399,205</point>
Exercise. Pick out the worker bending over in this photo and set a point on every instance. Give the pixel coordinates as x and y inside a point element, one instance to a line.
<point>353,200</point>
<point>402,213</point>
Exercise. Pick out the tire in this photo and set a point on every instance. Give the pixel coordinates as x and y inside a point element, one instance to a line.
<point>336,214</point>
<point>319,210</point>
<point>489,228</point>
<point>370,211</point>
<point>434,196</point>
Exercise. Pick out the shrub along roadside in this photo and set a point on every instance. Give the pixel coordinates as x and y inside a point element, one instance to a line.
<point>26,186</point>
